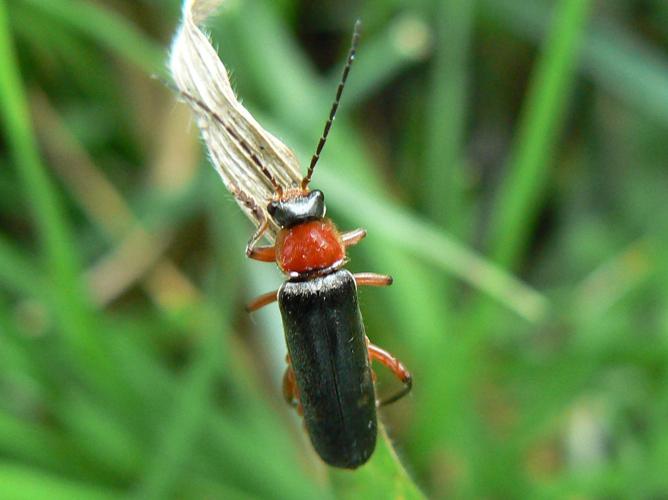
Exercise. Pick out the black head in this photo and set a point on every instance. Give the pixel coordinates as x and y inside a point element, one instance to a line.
<point>293,211</point>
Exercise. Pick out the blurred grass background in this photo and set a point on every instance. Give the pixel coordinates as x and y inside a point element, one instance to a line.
<point>508,158</point>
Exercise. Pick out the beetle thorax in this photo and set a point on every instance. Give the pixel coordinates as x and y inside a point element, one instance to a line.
<point>309,247</point>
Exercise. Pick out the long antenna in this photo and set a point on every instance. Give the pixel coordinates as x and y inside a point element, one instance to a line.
<point>335,104</point>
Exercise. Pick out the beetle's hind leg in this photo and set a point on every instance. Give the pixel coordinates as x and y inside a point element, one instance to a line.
<point>396,367</point>
<point>290,390</point>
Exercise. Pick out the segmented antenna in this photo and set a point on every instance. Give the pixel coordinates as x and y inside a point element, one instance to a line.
<point>240,141</point>
<point>335,104</point>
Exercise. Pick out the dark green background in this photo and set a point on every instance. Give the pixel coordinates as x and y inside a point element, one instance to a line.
<point>508,158</point>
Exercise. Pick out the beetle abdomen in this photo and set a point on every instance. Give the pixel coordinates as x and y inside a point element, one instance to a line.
<point>327,345</point>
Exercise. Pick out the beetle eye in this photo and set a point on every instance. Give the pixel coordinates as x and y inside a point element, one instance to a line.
<point>272,207</point>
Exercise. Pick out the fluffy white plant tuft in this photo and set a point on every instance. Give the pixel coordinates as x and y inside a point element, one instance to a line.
<point>232,136</point>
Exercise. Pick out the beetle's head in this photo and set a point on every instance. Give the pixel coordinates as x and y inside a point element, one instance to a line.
<point>295,210</point>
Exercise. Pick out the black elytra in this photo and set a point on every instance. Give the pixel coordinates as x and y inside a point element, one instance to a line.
<point>326,341</point>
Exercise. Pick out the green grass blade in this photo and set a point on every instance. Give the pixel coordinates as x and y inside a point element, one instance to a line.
<point>110,30</point>
<point>427,242</point>
<point>528,169</point>
<point>446,113</point>
<point>48,213</point>
<point>382,476</point>
<point>35,444</point>
<point>27,483</point>
<point>176,445</point>
<point>616,59</point>
<point>516,203</point>
<point>17,273</point>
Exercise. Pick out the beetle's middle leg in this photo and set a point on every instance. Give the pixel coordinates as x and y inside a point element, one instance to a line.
<point>353,237</point>
<point>396,367</point>
<point>372,279</point>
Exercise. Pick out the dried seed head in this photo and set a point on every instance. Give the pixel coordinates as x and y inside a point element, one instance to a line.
<point>254,165</point>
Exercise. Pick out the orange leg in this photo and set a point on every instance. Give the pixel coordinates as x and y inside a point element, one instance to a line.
<point>264,254</point>
<point>353,237</point>
<point>290,390</point>
<point>372,279</point>
<point>396,367</point>
<point>262,300</point>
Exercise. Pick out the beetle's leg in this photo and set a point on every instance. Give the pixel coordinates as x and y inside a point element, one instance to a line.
<point>264,254</point>
<point>290,391</point>
<point>396,367</point>
<point>262,300</point>
<point>353,237</point>
<point>289,387</point>
<point>372,279</point>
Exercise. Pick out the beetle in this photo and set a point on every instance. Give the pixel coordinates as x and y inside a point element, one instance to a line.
<point>328,378</point>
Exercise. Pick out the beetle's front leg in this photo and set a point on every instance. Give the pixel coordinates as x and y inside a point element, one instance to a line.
<point>396,367</point>
<point>264,253</point>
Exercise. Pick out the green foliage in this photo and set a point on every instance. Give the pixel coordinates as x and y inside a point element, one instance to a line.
<point>508,159</point>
